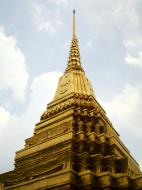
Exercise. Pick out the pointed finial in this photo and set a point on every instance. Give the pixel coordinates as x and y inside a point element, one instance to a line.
<point>74,27</point>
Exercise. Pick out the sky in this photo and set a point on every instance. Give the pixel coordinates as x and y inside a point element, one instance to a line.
<point>35,37</point>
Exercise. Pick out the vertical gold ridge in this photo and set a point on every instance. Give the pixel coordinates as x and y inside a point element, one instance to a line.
<point>74,25</point>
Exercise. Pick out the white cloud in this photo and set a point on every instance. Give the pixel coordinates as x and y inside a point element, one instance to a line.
<point>110,16</point>
<point>133,42</point>
<point>4,116</point>
<point>115,21</point>
<point>2,28</point>
<point>45,20</point>
<point>129,43</point>
<point>59,2</point>
<point>13,72</point>
<point>19,127</point>
<point>125,110</point>
<point>43,89</point>
<point>89,44</point>
<point>136,61</point>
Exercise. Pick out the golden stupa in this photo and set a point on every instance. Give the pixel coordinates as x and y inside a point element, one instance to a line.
<point>74,146</point>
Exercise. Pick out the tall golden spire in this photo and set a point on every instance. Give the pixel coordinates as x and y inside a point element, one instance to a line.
<point>74,55</point>
<point>74,26</point>
<point>74,80</point>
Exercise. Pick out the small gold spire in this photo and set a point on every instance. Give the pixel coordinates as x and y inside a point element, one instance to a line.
<point>74,26</point>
